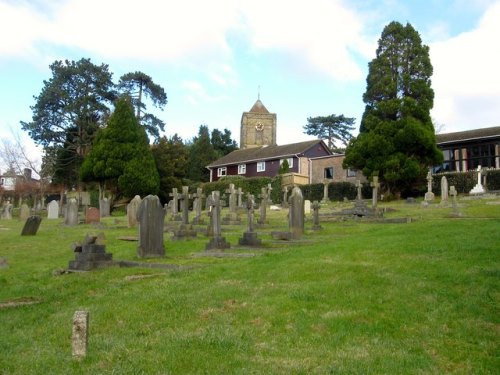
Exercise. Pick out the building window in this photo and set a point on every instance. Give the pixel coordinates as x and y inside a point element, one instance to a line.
<point>351,172</point>
<point>329,173</point>
<point>261,166</point>
<point>289,160</point>
<point>242,168</point>
<point>222,171</point>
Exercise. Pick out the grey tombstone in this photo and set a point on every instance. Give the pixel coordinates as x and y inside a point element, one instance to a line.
<point>444,191</point>
<point>269,201</point>
<point>250,237</point>
<point>232,218</point>
<point>85,198</point>
<point>175,205</point>
<point>53,210</point>
<point>185,230</point>
<point>71,212</point>
<point>7,210</point>
<point>296,213</point>
<point>375,185</point>
<point>263,205</point>
<point>91,254</point>
<point>239,193</point>
<point>24,212</point>
<point>217,241</point>
<point>209,204</point>
<point>284,204</point>
<point>429,196</point>
<point>105,207</point>
<point>453,193</point>
<point>151,216</point>
<point>31,225</point>
<point>325,191</point>
<point>132,208</point>
<point>316,206</point>
<point>197,206</point>
<point>358,188</point>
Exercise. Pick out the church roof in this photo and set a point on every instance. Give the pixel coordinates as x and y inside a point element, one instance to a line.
<point>258,107</point>
<point>468,135</point>
<point>265,153</point>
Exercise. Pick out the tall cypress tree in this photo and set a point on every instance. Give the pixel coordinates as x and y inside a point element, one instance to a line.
<point>397,139</point>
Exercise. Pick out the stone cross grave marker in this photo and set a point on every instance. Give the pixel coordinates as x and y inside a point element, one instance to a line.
<point>429,196</point>
<point>358,187</point>
<point>175,205</point>
<point>239,192</point>
<point>375,185</point>
<point>217,241</point>
<point>184,199</point>
<point>296,213</point>
<point>250,237</point>
<point>31,225</point>
<point>197,205</point>
<point>150,216</point>
<point>269,190</point>
<point>132,208</point>
<point>263,203</point>
<point>316,206</point>
<point>325,191</point>
<point>71,212</point>
<point>24,212</point>
<point>232,218</point>
<point>478,188</point>
<point>53,210</point>
<point>444,191</point>
<point>453,193</point>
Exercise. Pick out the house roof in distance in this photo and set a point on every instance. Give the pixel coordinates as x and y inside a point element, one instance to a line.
<point>468,135</point>
<point>266,153</point>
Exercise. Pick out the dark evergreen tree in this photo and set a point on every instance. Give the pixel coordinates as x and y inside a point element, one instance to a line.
<point>201,153</point>
<point>397,139</point>
<point>139,86</point>
<point>222,142</point>
<point>121,158</point>
<point>331,128</point>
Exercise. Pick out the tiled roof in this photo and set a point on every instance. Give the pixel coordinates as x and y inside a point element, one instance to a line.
<point>258,107</point>
<point>264,153</point>
<point>468,135</point>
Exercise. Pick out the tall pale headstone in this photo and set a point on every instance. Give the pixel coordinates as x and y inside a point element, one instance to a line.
<point>150,216</point>
<point>105,207</point>
<point>132,208</point>
<point>7,210</point>
<point>24,212</point>
<point>307,207</point>
<point>296,213</point>
<point>53,210</point>
<point>71,212</point>
<point>444,190</point>
<point>375,185</point>
<point>263,203</point>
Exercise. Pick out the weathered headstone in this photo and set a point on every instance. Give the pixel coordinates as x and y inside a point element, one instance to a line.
<point>375,185</point>
<point>80,335</point>
<point>132,208</point>
<point>429,196</point>
<point>250,237</point>
<point>31,225</point>
<point>53,210</point>
<point>85,198</point>
<point>296,213</point>
<point>263,205</point>
<point>209,205</point>
<point>105,207</point>
<point>359,197</point>
<point>217,241</point>
<point>269,200</point>
<point>197,206</point>
<point>316,206</point>
<point>7,210</point>
<point>175,205</point>
<point>284,204</point>
<point>91,254</point>
<point>24,212</point>
<point>71,212</point>
<point>478,188</point>
<point>444,191</point>
<point>307,207</point>
<point>92,215</point>
<point>325,191</point>
<point>453,193</point>
<point>239,193</point>
<point>232,217</point>
<point>150,216</point>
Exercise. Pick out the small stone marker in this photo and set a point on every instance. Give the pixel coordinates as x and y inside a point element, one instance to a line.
<point>92,215</point>
<point>375,185</point>
<point>478,188</point>
<point>217,241</point>
<point>132,208</point>
<point>250,237</point>
<point>429,196</point>
<point>24,212</point>
<point>80,336</point>
<point>71,213</point>
<point>53,210</point>
<point>7,210</point>
<point>31,225</point>
<point>316,206</point>
<point>150,216</point>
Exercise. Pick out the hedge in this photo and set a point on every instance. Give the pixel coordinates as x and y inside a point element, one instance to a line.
<point>465,181</point>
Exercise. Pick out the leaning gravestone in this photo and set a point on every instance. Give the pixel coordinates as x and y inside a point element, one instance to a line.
<point>31,226</point>
<point>24,212</point>
<point>151,216</point>
<point>53,210</point>
<point>92,215</point>
<point>250,237</point>
<point>217,241</point>
<point>71,212</point>
<point>197,206</point>
<point>132,208</point>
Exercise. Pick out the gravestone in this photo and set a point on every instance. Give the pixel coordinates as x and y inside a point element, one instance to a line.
<point>85,198</point>
<point>24,212</point>
<point>375,185</point>
<point>185,229</point>
<point>92,215</point>
<point>209,206</point>
<point>325,191</point>
<point>31,225</point>
<point>7,210</point>
<point>429,196</point>
<point>232,217</point>
<point>150,216</point>
<point>263,205</point>
<point>453,193</point>
<point>71,212</point>
<point>132,208</point>
<point>478,188</point>
<point>175,205</point>
<point>105,207</point>
<point>316,206</point>
<point>80,335</point>
<point>284,204</point>
<point>91,254</point>
<point>53,210</point>
<point>250,237</point>
<point>269,201</point>
<point>296,213</point>
<point>197,206</point>
<point>359,197</point>
<point>444,191</point>
<point>239,193</point>
<point>307,207</point>
<point>217,241</point>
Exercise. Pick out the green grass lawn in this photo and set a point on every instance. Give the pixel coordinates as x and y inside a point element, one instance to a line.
<point>353,298</point>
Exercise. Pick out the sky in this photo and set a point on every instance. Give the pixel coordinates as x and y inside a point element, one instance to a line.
<point>214,58</point>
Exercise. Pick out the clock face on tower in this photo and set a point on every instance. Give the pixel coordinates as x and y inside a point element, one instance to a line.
<point>259,126</point>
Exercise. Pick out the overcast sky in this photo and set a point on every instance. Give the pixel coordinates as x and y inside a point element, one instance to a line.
<point>309,58</point>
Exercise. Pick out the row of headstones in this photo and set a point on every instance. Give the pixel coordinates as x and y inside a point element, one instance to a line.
<point>150,216</point>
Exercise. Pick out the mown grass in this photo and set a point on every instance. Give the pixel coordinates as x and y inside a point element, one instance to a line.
<point>353,298</point>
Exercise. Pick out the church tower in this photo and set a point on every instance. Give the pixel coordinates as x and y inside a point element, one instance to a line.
<point>258,127</point>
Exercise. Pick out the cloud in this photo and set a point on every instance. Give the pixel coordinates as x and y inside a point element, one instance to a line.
<point>465,80</point>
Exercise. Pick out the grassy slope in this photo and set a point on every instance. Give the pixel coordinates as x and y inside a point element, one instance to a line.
<point>352,298</point>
